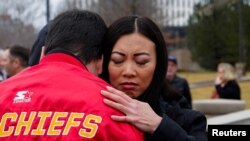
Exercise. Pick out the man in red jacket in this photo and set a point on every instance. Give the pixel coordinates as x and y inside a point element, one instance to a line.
<point>59,99</point>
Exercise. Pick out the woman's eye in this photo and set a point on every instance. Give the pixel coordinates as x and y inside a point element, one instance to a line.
<point>117,61</point>
<point>142,62</point>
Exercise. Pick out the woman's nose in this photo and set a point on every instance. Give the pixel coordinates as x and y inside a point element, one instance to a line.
<point>129,70</point>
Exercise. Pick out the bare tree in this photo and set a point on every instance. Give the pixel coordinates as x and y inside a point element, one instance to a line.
<point>113,9</point>
<point>75,4</point>
<point>110,10</point>
<point>14,31</point>
<point>27,11</point>
<point>17,19</point>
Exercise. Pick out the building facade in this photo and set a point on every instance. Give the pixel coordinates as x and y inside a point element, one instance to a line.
<point>177,12</point>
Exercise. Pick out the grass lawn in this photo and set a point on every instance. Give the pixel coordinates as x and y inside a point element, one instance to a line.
<point>204,92</point>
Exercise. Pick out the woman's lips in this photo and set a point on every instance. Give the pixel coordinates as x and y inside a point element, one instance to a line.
<point>128,86</point>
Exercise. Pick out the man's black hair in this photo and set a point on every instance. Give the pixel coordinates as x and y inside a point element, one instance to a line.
<point>79,32</point>
<point>20,52</point>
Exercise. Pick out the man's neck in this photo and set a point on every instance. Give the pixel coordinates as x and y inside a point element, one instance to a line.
<point>19,69</point>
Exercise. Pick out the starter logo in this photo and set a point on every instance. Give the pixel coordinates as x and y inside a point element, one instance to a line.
<point>23,97</point>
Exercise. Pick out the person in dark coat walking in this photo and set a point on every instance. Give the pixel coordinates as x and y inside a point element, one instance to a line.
<point>178,83</point>
<point>134,64</point>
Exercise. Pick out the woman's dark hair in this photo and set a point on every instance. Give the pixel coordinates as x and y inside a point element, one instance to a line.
<point>145,26</point>
<point>78,32</point>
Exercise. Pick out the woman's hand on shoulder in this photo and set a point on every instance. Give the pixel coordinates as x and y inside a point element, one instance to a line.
<point>138,113</point>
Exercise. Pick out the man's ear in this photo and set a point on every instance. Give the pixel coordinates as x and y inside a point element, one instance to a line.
<point>16,62</point>
<point>99,65</point>
<point>42,53</point>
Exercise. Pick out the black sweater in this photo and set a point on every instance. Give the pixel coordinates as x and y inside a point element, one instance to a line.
<point>230,91</point>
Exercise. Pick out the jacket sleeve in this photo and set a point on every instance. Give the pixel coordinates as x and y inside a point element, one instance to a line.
<point>193,129</point>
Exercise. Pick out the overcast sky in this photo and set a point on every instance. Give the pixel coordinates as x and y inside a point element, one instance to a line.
<point>41,21</point>
<point>34,13</point>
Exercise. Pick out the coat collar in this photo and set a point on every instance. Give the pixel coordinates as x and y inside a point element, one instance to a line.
<point>63,57</point>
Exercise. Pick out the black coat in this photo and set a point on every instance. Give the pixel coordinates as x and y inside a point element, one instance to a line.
<point>179,123</point>
<point>230,91</point>
<point>182,87</point>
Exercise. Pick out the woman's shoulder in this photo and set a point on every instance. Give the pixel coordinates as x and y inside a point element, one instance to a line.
<point>232,83</point>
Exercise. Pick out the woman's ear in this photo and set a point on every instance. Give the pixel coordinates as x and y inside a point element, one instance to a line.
<point>42,53</point>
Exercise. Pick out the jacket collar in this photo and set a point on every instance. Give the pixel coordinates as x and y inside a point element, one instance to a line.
<point>63,57</point>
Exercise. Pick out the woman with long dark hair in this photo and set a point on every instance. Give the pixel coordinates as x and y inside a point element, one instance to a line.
<point>135,64</point>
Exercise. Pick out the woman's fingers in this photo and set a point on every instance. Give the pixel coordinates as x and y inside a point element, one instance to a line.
<point>116,105</point>
<point>113,97</point>
<point>118,92</point>
<point>145,118</point>
<point>118,118</point>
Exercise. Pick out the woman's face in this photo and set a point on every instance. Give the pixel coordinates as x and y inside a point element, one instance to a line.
<point>132,64</point>
<point>220,73</point>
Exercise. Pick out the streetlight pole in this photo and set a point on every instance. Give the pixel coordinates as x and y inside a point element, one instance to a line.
<point>47,10</point>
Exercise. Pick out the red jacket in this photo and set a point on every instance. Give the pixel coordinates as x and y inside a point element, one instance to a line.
<point>59,99</point>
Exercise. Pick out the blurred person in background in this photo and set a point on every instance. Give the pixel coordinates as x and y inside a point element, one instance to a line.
<point>3,74</point>
<point>179,84</point>
<point>16,59</point>
<point>226,85</point>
